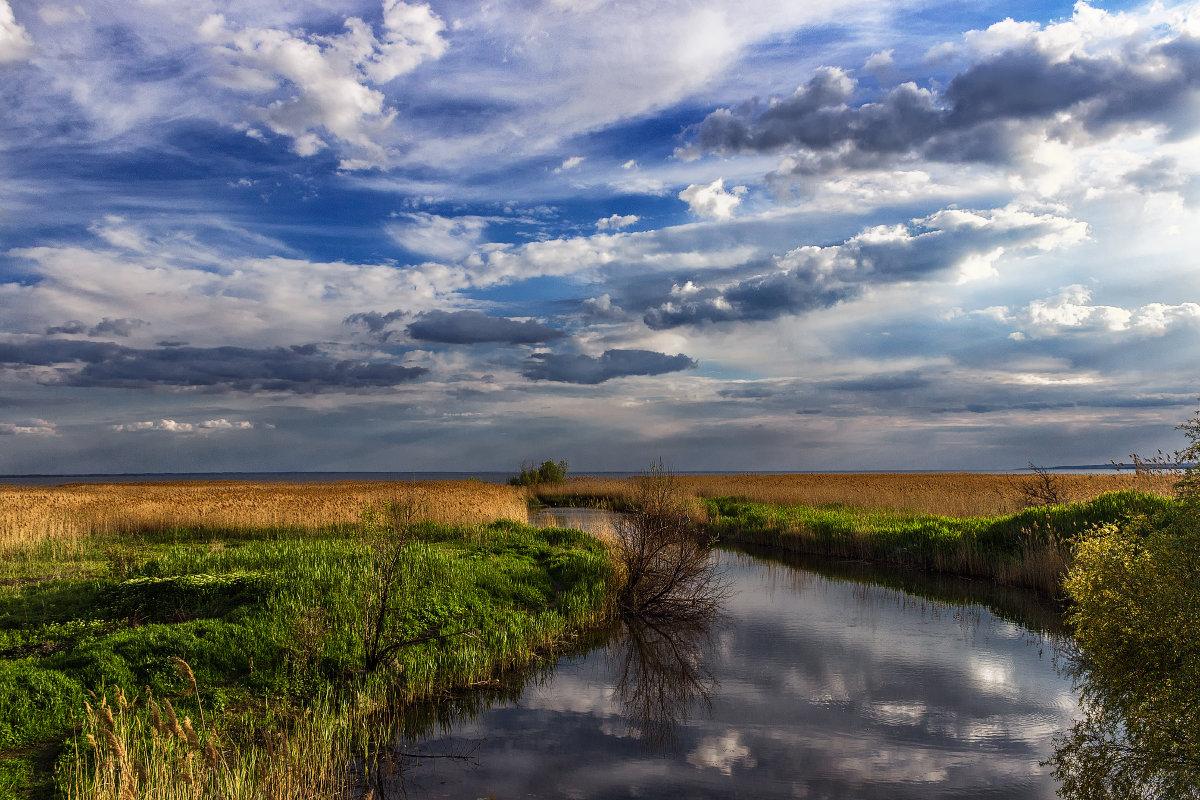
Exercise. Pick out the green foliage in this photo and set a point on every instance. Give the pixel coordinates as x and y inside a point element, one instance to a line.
<point>1135,593</point>
<point>984,546</point>
<point>1135,589</point>
<point>273,619</point>
<point>546,472</point>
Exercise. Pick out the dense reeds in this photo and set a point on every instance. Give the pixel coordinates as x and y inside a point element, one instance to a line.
<point>29,514</point>
<point>945,494</point>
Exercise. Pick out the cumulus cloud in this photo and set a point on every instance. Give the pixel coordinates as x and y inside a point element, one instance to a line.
<point>616,222</point>
<point>171,426</point>
<point>31,427</point>
<point>298,369</point>
<point>813,277</point>
<point>15,44</point>
<point>1070,311</point>
<point>1115,74</point>
<point>598,369</point>
<point>475,327</point>
<point>712,200</point>
<point>319,86</point>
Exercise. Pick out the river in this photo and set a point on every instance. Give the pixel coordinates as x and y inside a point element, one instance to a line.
<point>816,681</point>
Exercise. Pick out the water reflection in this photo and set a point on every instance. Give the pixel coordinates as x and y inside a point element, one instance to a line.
<point>1125,748</point>
<point>661,674</point>
<point>812,686</point>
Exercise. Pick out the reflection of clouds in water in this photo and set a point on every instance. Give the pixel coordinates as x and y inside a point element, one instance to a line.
<point>825,690</point>
<point>721,753</point>
<point>573,692</point>
<point>993,672</point>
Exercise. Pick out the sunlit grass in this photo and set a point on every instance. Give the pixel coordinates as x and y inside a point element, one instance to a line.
<point>1031,548</point>
<point>945,494</point>
<point>270,621</point>
<point>32,514</point>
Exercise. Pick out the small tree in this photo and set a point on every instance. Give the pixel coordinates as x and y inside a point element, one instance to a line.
<point>546,472</point>
<point>665,558</point>
<point>395,574</point>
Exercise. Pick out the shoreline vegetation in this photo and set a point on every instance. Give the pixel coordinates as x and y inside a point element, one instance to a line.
<point>187,640</point>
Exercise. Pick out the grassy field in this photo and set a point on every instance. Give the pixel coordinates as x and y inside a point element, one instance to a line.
<point>1031,548</point>
<point>32,513</point>
<point>270,646</point>
<point>944,494</point>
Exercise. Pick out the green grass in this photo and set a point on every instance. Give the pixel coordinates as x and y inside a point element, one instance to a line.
<point>268,620</point>
<point>1031,548</point>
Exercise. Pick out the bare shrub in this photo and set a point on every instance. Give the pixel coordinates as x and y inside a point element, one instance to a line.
<point>664,557</point>
<point>1041,488</point>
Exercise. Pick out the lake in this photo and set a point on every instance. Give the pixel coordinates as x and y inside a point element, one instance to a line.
<point>817,681</point>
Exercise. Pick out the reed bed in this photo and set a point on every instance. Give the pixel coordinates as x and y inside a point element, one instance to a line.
<point>945,494</point>
<point>32,514</point>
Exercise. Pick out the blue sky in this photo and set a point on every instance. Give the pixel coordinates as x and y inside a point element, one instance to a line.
<point>324,235</point>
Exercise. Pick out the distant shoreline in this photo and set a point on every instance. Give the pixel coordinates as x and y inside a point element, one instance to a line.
<point>487,477</point>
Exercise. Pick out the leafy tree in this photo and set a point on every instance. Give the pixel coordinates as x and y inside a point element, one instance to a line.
<point>1135,590</point>
<point>546,472</point>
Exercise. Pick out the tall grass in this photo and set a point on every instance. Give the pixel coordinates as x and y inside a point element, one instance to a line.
<point>945,494</point>
<point>1031,548</point>
<point>270,622</point>
<point>32,514</point>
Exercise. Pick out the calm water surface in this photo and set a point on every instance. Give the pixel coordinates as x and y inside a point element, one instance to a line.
<point>810,686</point>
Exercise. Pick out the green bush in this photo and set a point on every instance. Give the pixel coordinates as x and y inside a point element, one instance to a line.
<point>546,472</point>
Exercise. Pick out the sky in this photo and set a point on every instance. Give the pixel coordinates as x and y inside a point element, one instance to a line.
<point>330,235</point>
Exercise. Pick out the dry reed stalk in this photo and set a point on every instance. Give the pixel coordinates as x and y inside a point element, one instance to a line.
<point>32,514</point>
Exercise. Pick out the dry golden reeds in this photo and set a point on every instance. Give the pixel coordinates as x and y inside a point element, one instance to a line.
<point>32,514</point>
<point>947,494</point>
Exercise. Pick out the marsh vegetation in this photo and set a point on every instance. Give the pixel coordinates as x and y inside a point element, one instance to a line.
<point>259,640</point>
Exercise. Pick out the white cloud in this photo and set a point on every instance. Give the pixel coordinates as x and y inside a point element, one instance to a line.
<point>15,44</point>
<point>880,62</point>
<point>616,222</point>
<point>1070,311</point>
<point>323,80</point>
<point>171,426</point>
<point>570,163</point>
<point>436,236</point>
<point>59,15</point>
<point>32,427</point>
<point>712,201</point>
<point>211,297</point>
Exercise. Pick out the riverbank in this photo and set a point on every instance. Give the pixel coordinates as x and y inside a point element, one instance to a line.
<point>271,647</point>
<point>1032,548</point>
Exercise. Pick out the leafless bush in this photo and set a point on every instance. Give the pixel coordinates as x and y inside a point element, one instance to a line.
<point>665,558</point>
<point>1041,488</point>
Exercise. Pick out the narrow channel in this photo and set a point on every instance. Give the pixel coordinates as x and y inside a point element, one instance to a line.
<point>815,681</point>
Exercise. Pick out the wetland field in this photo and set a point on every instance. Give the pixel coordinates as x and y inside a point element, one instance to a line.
<point>351,639</point>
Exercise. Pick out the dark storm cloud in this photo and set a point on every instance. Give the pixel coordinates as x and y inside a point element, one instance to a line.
<point>475,327</point>
<point>612,364</point>
<point>813,278</point>
<point>981,115</point>
<point>298,369</point>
